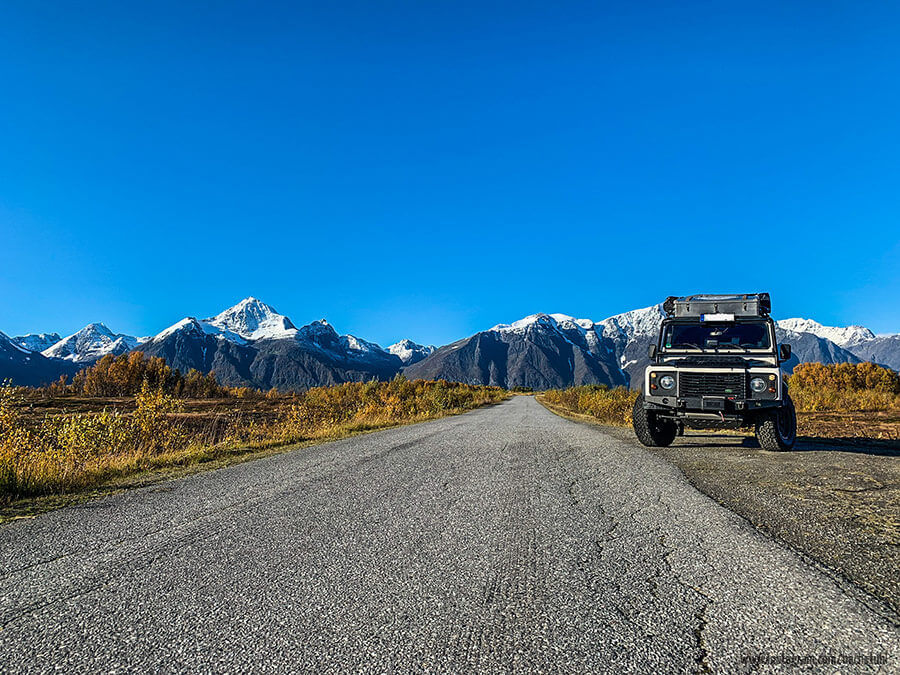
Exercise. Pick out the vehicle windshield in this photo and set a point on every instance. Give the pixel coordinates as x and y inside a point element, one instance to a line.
<point>736,336</point>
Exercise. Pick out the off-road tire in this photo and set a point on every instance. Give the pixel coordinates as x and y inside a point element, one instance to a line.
<point>776,430</point>
<point>649,428</point>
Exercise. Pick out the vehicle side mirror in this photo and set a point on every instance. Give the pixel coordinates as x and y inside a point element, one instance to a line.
<point>784,352</point>
<point>651,352</point>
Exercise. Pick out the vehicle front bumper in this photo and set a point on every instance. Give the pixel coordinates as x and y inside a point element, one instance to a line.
<point>710,409</point>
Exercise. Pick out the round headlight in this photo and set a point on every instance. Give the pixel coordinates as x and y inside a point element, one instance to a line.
<point>667,382</point>
<point>758,384</point>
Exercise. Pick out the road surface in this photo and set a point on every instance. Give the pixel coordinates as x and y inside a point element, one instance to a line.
<point>503,539</point>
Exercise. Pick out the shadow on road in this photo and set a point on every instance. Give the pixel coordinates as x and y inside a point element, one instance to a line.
<point>864,446</point>
<point>858,445</point>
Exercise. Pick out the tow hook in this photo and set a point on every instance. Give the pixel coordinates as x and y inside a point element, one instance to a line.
<point>722,415</point>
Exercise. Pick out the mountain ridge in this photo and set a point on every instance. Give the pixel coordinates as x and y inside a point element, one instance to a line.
<point>251,344</point>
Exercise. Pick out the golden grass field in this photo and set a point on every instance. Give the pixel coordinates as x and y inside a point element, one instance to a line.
<point>54,445</point>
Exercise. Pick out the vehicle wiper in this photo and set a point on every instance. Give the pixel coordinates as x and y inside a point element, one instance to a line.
<point>686,344</point>
<point>731,344</point>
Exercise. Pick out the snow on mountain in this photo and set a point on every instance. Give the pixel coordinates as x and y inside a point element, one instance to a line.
<point>630,333</point>
<point>28,368</point>
<point>10,346</point>
<point>252,319</point>
<point>246,321</point>
<point>355,344</point>
<point>843,337</point>
<point>642,322</point>
<point>251,343</point>
<point>568,322</point>
<point>410,352</point>
<point>90,344</point>
<point>522,325</point>
<point>540,351</point>
<point>581,333</point>
<point>187,325</point>
<point>37,342</point>
<point>319,332</point>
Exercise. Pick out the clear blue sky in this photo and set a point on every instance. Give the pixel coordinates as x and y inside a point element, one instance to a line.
<point>428,169</point>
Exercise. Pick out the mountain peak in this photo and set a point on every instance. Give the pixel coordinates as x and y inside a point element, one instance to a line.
<point>526,322</point>
<point>553,321</point>
<point>841,336</point>
<point>253,319</point>
<point>96,327</point>
<point>90,344</point>
<point>37,342</point>
<point>318,327</point>
<point>410,352</point>
<point>188,323</point>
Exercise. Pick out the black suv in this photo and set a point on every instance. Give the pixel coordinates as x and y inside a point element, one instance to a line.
<point>716,365</point>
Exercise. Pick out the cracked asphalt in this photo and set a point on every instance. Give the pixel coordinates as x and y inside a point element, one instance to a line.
<point>504,539</point>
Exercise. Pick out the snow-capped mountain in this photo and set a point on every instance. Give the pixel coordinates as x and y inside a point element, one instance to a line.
<point>90,344</point>
<point>252,344</point>
<point>410,352</point>
<point>249,320</point>
<point>631,333</point>
<point>620,342</point>
<point>189,325</point>
<point>837,344</point>
<point>252,319</point>
<point>9,346</point>
<point>245,322</point>
<point>843,337</point>
<point>37,342</point>
<point>29,368</point>
<point>358,347</point>
<point>541,351</point>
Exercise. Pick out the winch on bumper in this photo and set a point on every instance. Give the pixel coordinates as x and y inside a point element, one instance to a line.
<point>712,397</point>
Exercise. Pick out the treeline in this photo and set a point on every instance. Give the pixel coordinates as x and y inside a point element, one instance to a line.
<point>125,375</point>
<point>844,387</point>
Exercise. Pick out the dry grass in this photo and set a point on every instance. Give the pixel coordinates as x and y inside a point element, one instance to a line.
<point>59,452</point>
<point>608,406</point>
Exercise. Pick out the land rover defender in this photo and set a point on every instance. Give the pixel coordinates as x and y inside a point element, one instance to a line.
<point>716,365</point>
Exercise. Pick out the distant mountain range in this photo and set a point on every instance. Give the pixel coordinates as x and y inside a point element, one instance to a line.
<point>251,344</point>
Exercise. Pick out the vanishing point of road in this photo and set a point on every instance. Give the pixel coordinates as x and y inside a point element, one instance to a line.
<point>505,539</point>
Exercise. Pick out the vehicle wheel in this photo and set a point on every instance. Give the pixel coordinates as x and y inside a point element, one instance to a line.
<point>777,430</point>
<point>650,429</point>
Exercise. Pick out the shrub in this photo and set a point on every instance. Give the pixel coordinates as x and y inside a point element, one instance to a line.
<point>610,406</point>
<point>70,451</point>
<point>844,387</point>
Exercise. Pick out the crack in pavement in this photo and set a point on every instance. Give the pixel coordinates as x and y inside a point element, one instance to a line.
<point>507,539</point>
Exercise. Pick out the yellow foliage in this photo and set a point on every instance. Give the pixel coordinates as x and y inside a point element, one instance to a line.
<point>844,387</point>
<point>70,451</point>
<point>610,406</point>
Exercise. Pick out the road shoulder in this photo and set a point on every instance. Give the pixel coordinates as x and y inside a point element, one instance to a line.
<point>838,505</point>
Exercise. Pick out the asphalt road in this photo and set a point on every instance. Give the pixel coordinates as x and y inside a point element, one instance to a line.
<point>504,539</point>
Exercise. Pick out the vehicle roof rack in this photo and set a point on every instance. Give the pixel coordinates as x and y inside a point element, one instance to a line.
<point>751,304</point>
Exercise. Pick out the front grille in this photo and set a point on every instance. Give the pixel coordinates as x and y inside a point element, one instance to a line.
<point>695,385</point>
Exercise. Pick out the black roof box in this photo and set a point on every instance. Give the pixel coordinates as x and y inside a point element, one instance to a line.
<point>751,304</point>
